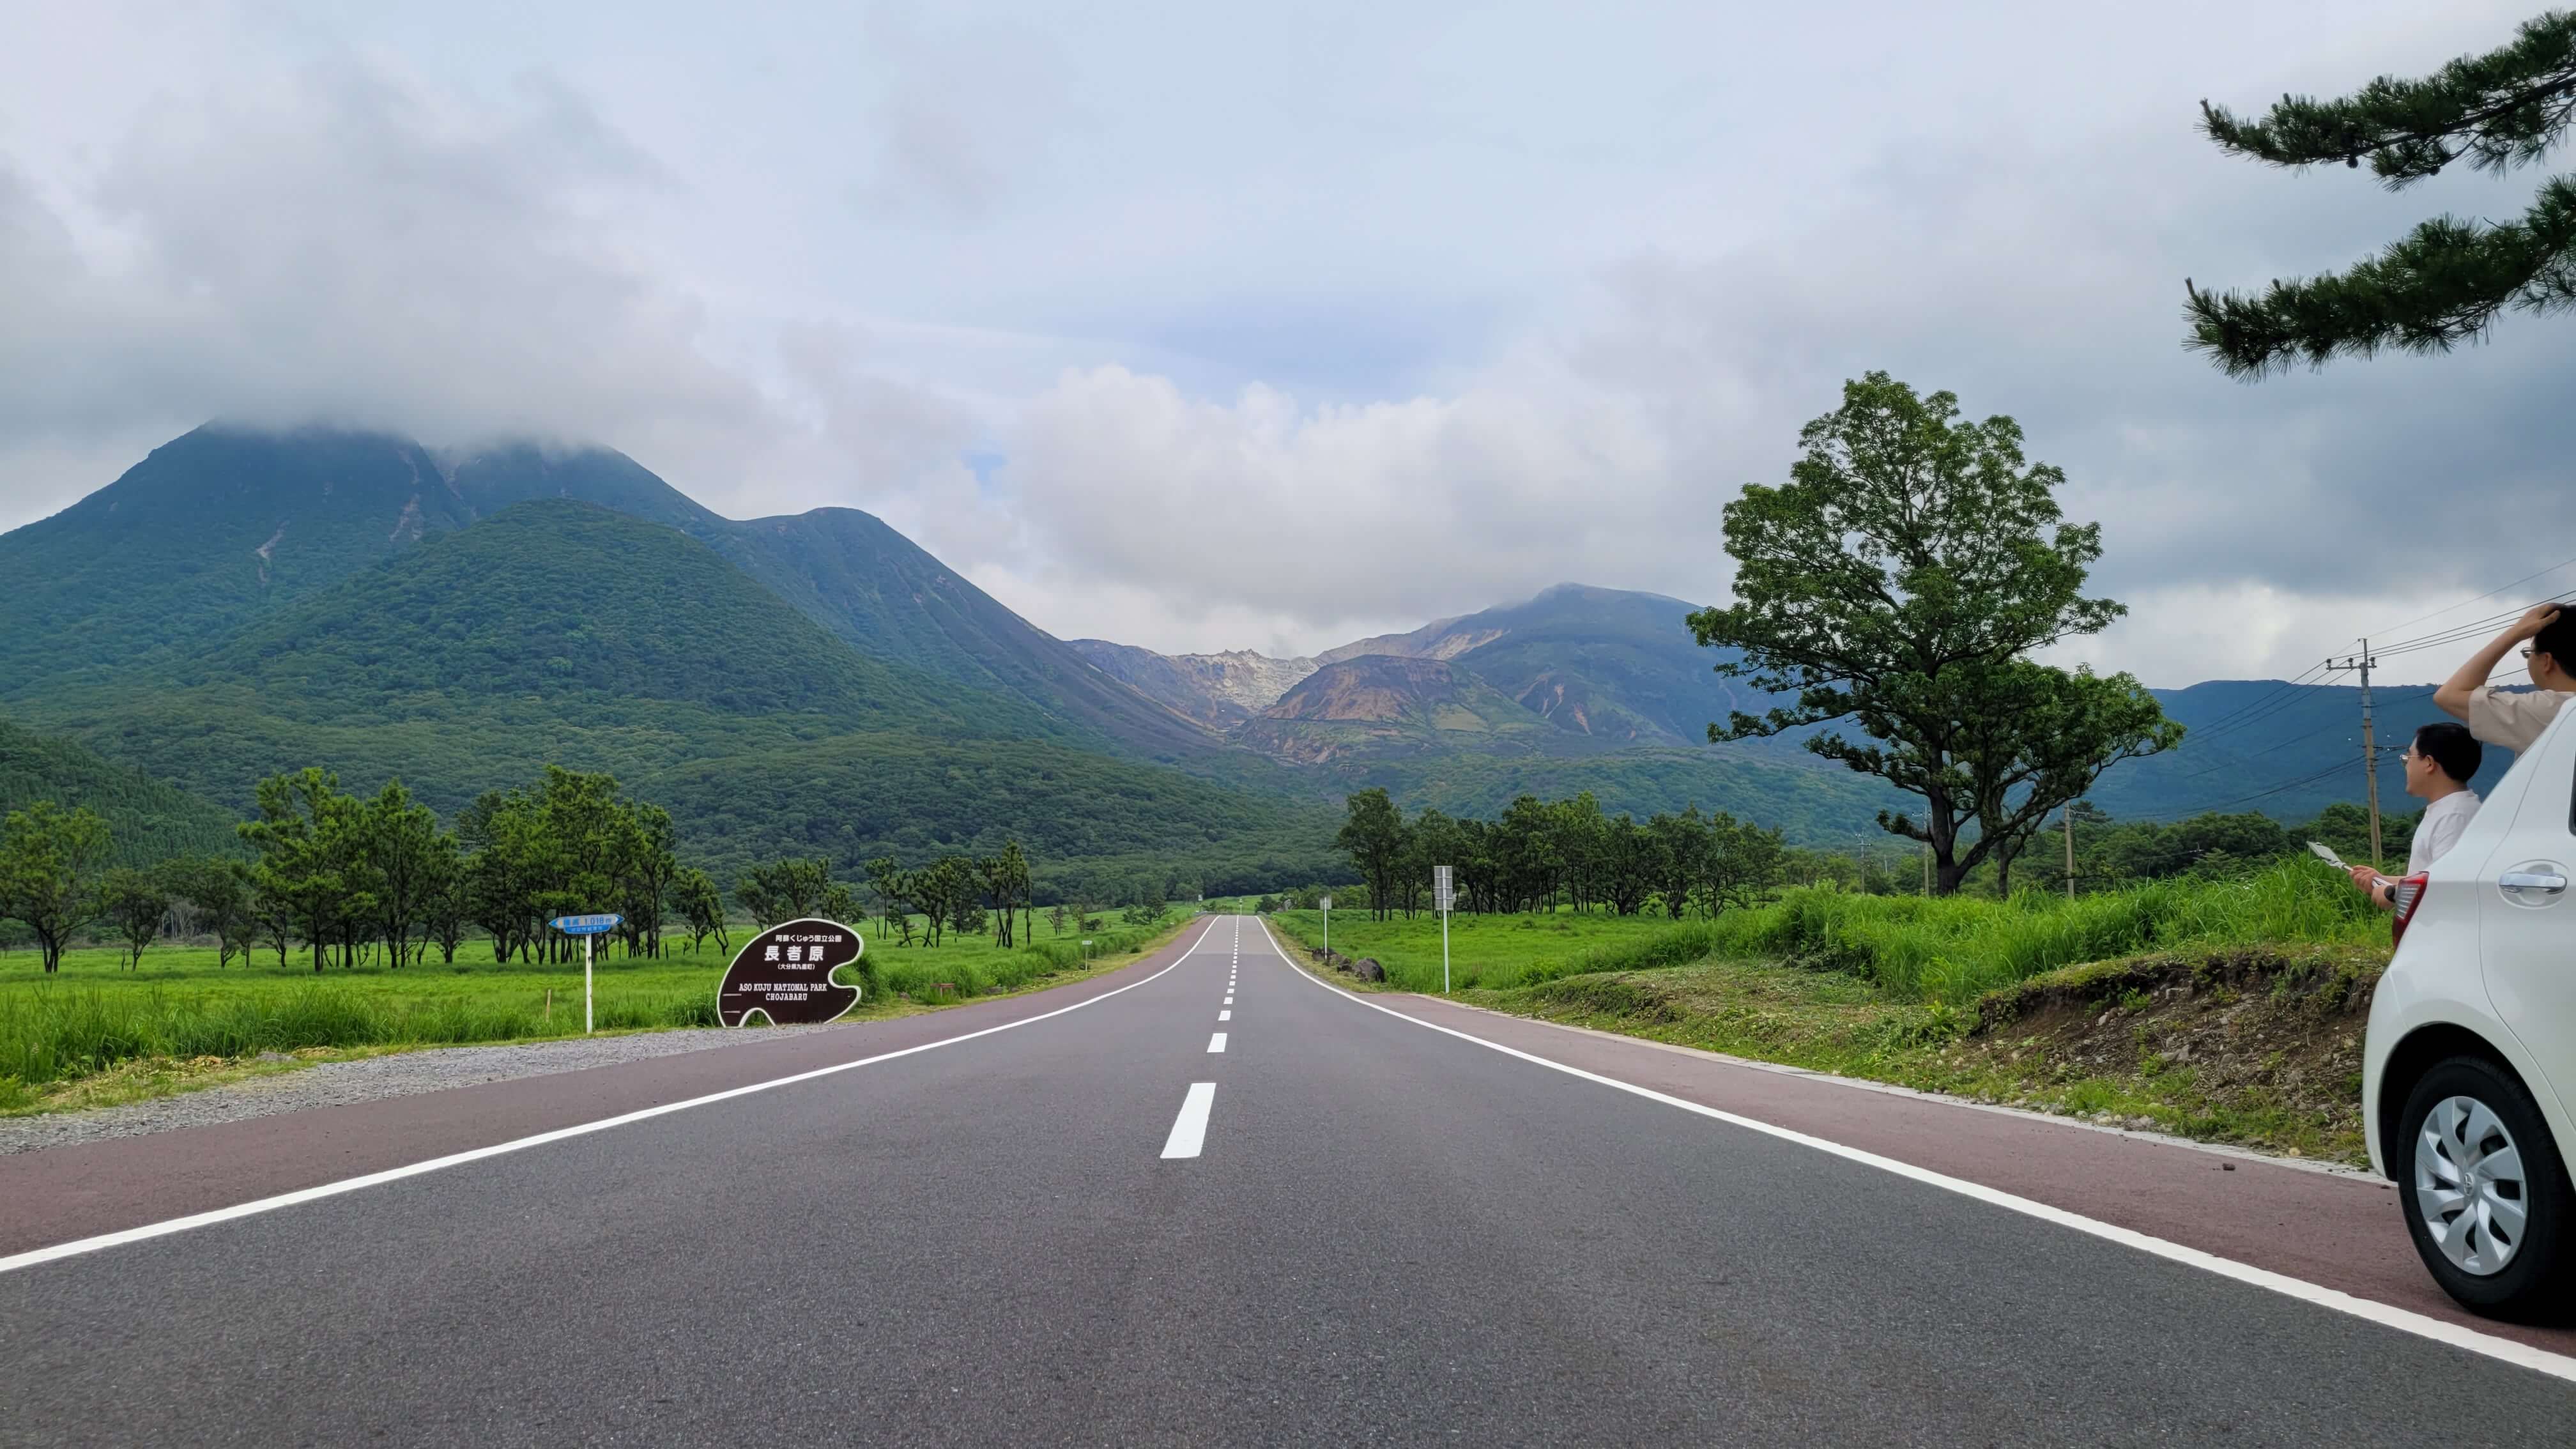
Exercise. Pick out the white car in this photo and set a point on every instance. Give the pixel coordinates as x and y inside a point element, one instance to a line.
<point>2470,1060</point>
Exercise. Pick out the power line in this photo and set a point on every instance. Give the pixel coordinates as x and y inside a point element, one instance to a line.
<point>2489,594</point>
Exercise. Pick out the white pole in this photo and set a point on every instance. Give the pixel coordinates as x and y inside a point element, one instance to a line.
<point>585,986</point>
<point>1444,946</point>
<point>1328,925</point>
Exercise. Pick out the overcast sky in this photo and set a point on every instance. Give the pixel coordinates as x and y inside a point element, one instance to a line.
<point>1205,326</point>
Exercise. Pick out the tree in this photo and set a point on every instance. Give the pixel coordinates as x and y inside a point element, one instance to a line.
<point>399,843</point>
<point>702,906</point>
<point>1742,862</point>
<point>785,889</point>
<point>49,858</point>
<point>1678,857</point>
<point>1374,834</point>
<point>134,905</point>
<point>305,844</point>
<point>2052,737</point>
<point>219,891</point>
<point>1897,579</point>
<point>446,900</point>
<point>2445,282</point>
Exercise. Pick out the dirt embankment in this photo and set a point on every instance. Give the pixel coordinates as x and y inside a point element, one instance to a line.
<point>2259,1047</point>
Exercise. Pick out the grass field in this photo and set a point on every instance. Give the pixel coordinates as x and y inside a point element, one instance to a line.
<point>1492,951</point>
<point>2223,1009</point>
<point>1910,947</point>
<point>178,1020</point>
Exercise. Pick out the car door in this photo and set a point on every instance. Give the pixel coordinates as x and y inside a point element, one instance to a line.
<point>2527,910</point>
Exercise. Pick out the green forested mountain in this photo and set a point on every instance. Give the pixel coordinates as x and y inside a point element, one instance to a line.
<point>871,586</point>
<point>578,609</point>
<point>147,819</point>
<point>198,539</point>
<point>558,631</point>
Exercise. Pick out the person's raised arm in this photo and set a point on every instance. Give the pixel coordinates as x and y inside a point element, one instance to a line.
<point>2453,697</point>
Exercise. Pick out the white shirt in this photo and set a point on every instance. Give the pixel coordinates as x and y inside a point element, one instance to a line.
<point>2440,829</point>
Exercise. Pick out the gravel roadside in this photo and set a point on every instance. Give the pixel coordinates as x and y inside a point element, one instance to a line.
<point>401,1074</point>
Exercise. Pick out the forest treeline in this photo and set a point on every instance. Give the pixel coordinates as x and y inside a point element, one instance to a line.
<point>353,879</point>
<point>1544,855</point>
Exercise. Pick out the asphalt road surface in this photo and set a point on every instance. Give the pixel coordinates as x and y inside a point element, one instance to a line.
<point>1213,1202</point>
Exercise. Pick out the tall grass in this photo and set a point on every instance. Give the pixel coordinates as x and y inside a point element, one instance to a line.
<point>54,1031</point>
<point>1917,948</point>
<point>1957,949</point>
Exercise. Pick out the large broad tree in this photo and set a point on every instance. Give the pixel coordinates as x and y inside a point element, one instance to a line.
<point>2444,282</point>
<point>1899,579</point>
<point>1374,834</point>
<point>49,862</point>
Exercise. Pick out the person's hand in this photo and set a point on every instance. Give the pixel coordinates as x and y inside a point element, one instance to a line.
<point>2366,878</point>
<point>2533,620</point>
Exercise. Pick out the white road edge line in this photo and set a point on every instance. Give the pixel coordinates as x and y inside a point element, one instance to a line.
<point>1216,1043</point>
<point>2386,1315</point>
<point>34,1256</point>
<point>1189,1130</point>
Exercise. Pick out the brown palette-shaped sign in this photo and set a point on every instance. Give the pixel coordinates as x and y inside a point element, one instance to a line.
<point>785,974</point>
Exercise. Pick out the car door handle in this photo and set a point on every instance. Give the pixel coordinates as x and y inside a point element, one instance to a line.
<point>2532,880</point>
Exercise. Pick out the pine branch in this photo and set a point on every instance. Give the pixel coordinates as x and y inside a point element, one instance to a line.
<point>2500,110</point>
<point>2437,287</point>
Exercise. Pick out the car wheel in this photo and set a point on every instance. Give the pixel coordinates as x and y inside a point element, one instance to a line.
<point>2486,1195</point>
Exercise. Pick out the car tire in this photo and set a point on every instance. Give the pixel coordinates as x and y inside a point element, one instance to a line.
<point>2532,1282</point>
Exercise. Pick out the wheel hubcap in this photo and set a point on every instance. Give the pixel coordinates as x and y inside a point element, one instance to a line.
<point>2469,1186</point>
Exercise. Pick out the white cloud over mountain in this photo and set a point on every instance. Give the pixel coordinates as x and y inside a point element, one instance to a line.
<point>1279,331</point>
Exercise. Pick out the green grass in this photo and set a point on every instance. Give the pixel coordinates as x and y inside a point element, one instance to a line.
<point>96,1016</point>
<point>1911,947</point>
<point>1501,951</point>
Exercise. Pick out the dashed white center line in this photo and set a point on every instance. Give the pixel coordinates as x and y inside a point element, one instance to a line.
<point>1216,1043</point>
<point>1229,1001</point>
<point>1189,1130</point>
<point>1225,1016</point>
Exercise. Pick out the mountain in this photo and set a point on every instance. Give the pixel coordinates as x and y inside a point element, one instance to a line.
<point>147,819</point>
<point>1218,691</point>
<point>205,534</point>
<point>463,626</point>
<point>1380,704</point>
<point>223,526</point>
<point>874,588</point>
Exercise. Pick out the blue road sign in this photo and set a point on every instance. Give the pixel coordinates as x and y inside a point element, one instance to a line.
<point>585,925</point>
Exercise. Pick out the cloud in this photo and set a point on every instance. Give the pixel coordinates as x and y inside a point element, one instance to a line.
<point>352,247</point>
<point>1284,327</point>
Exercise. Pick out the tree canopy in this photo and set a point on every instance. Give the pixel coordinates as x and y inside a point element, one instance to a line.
<point>2445,282</point>
<point>1900,579</point>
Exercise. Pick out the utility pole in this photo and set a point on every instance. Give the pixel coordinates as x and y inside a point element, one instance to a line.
<point>2070,850</point>
<point>1927,867</point>
<point>2369,747</point>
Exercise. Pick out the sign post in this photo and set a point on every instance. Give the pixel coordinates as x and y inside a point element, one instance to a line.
<point>1327,903</point>
<point>1441,895</point>
<point>585,927</point>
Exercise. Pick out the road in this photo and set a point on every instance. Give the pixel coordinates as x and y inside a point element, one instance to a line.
<point>1211,1200</point>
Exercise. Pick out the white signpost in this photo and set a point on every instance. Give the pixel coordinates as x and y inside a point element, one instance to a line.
<point>585,927</point>
<point>1442,894</point>
<point>1327,903</point>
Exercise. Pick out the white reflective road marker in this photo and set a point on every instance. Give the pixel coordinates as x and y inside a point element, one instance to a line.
<point>1225,1016</point>
<point>1189,1130</point>
<point>1216,1043</point>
